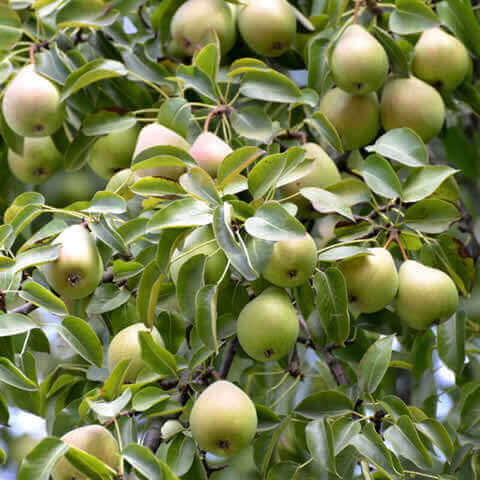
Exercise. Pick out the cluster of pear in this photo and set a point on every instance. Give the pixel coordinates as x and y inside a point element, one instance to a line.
<point>359,66</point>
<point>268,28</point>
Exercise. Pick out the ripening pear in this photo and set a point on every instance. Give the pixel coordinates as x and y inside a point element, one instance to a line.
<point>155,135</point>
<point>359,63</point>
<point>209,151</point>
<point>195,23</point>
<point>113,152</point>
<point>31,105</point>
<point>292,262</point>
<point>268,27</point>
<point>440,59</point>
<point>78,270</point>
<point>223,419</point>
<point>40,160</point>
<point>410,102</point>
<point>425,295</point>
<point>372,280</point>
<point>355,117</point>
<point>94,440</point>
<point>125,345</point>
<point>214,265</point>
<point>267,326</point>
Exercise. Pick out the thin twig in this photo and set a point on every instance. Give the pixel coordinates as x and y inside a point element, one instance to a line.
<point>228,358</point>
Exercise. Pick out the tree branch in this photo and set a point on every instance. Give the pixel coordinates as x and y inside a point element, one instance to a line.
<point>228,358</point>
<point>24,309</point>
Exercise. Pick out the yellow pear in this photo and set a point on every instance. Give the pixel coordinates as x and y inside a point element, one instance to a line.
<point>209,151</point>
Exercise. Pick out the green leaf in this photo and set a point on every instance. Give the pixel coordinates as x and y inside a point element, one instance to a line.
<point>158,357</point>
<point>107,203</point>
<point>322,125</point>
<point>438,435</point>
<point>10,28</point>
<point>15,323</point>
<point>344,429</point>
<point>104,122</point>
<point>77,152</point>
<point>265,174</point>
<point>148,397</point>
<point>107,297</point>
<point>189,282</point>
<point>318,70</point>
<point>36,256</point>
<point>252,122</point>
<point>84,13</point>
<point>156,187</point>
<point>180,454</point>
<point>111,387</point>
<point>324,201</point>
<point>11,375</point>
<point>470,409</point>
<point>267,418</point>
<point>374,364</point>
<point>398,58</point>
<point>38,295</point>
<point>342,252</point>
<point>352,191</point>
<point>148,293</point>
<point>412,16</point>
<point>89,465</point>
<point>320,442</point>
<point>234,163</point>
<point>431,216</point>
<point>381,177</point>
<point>206,315</point>
<point>142,460</point>
<point>175,114</point>
<point>199,184</point>
<point>395,406</point>
<point>109,235</point>
<point>195,78</point>
<point>4,413</point>
<point>424,181</point>
<point>451,342</point>
<point>208,60</point>
<point>108,410</point>
<point>319,404</point>
<point>172,328</point>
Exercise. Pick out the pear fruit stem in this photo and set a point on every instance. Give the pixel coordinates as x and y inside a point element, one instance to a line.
<point>394,238</point>
<point>216,111</point>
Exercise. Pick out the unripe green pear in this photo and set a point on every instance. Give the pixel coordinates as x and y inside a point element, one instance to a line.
<point>31,105</point>
<point>113,152</point>
<point>223,419</point>
<point>126,346</point>
<point>174,49</point>
<point>40,160</point>
<point>94,440</point>
<point>425,295</point>
<point>268,27</point>
<point>195,22</point>
<point>440,59</point>
<point>292,262</point>
<point>267,326</point>
<point>355,117</point>
<point>209,151</point>
<point>121,182</point>
<point>215,264</point>
<point>372,280</point>
<point>155,135</point>
<point>78,270</point>
<point>410,102</point>
<point>359,63</point>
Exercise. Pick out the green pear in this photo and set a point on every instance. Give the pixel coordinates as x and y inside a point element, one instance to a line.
<point>78,270</point>
<point>355,117</point>
<point>267,326</point>
<point>126,346</point>
<point>94,440</point>
<point>121,182</point>
<point>372,280</point>
<point>359,63</point>
<point>292,262</point>
<point>113,152</point>
<point>190,246</point>
<point>223,419</point>
<point>209,151</point>
<point>425,295</point>
<point>174,50</point>
<point>31,105</point>
<point>155,135</point>
<point>267,27</point>
<point>40,160</point>
<point>195,23</point>
<point>412,103</point>
<point>440,59</point>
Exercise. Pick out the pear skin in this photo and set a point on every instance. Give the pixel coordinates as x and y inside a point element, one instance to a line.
<point>209,151</point>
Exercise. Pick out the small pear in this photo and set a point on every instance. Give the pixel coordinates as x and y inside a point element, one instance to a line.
<point>292,262</point>
<point>425,295</point>
<point>355,117</point>
<point>440,59</point>
<point>267,27</point>
<point>40,160</point>
<point>209,151</point>
<point>358,63</point>
<point>372,280</point>
<point>155,135</point>
<point>125,345</point>
<point>113,152</point>
<point>31,105</point>
<point>267,327</point>
<point>223,419</point>
<point>412,103</point>
<point>94,440</point>
<point>195,23</point>
<point>78,270</point>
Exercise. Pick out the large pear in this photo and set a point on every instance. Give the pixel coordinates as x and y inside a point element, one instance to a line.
<point>155,135</point>
<point>223,419</point>
<point>126,346</point>
<point>113,152</point>
<point>267,26</point>
<point>31,105</point>
<point>356,117</point>
<point>267,326</point>
<point>78,269</point>
<point>292,262</point>
<point>39,161</point>
<point>372,280</point>
<point>196,22</point>
<point>94,440</point>
<point>209,151</point>
<point>425,295</point>
<point>412,103</point>
<point>440,59</point>
<point>358,63</point>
